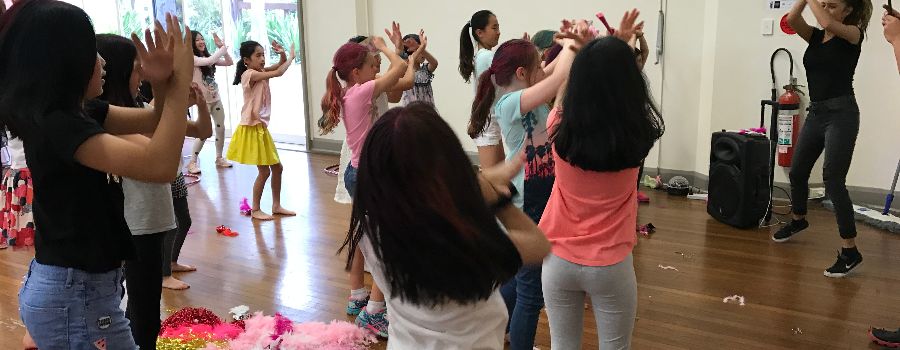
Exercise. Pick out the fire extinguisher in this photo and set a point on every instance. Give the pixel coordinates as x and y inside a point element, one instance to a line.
<point>788,122</point>
<point>789,112</point>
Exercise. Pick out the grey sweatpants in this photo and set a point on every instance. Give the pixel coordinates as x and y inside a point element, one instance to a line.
<point>613,292</point>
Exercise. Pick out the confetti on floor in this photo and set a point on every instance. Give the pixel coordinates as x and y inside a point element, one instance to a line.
<point>736,298</point>
<point>667,267</point>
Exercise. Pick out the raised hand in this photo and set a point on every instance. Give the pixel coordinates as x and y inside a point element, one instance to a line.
<point>526,36</point>
<point>158,54</point>
<point>628,27</point>
<point>421,49</point>
<point>277,47</point>
<point>293,53</point>
<point>217,40</point>
<point>891,28</point>
<point>378,43</point>
<point>395,35</point>
<point>579,32</point>
<point>182,48</point>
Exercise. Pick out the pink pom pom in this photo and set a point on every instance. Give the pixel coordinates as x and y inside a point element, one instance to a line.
<point>282,325</point>
<point>337,335</point>
<point>245,207</point>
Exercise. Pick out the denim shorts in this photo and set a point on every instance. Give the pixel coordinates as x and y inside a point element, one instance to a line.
<point>67,308</point>
<point>350,180</point>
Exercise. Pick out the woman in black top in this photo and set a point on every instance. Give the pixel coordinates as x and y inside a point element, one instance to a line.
<point>70,297</point>
<point>833,121</point>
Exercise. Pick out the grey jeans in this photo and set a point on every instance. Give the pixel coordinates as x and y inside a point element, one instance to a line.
<point>613,291</point>
<point>831,126</point>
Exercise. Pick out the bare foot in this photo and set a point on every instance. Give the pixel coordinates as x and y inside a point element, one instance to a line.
<point>27,342</point>
<point>174,284</point>
<point>261,215</point>
<point>176,267</point>
<point>281,211</point>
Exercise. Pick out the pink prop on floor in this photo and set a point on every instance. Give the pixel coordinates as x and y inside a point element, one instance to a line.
<point>245,207</point>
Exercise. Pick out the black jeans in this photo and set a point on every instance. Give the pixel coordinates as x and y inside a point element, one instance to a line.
<point>174,240</point>
<point>144,286</point>
<point>831,125</point>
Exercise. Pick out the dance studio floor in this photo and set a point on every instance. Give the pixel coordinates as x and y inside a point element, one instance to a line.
<point>289,266</point>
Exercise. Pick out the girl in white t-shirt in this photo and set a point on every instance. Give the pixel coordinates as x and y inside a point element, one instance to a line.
<point>484,29</point>
<point>428,227</point>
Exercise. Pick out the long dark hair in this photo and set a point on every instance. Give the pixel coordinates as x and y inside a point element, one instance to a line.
<point>509,57</point>
<point>480,21</point>
<point>36,78</point>
<point>861,14</point>
<point>207,71</point>
<point>609,121</point>
<point>246,51</point>
<point>419,203</point>
<point>119,54</point>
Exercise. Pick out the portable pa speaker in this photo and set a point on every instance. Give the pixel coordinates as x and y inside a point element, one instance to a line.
<point>739,178</point>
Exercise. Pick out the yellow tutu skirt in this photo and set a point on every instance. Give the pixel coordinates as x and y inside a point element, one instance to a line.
<point>252,145</point>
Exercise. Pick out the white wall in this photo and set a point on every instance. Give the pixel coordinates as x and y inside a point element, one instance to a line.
<point>716,68</point>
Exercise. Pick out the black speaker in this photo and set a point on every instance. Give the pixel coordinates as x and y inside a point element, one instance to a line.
<point>739,178</point>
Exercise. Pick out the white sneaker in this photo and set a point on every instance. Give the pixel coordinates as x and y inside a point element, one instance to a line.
<point>222,163</point>
<point>193,168</point>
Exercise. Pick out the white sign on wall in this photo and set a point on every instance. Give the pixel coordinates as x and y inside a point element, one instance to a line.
<point>779,4</point>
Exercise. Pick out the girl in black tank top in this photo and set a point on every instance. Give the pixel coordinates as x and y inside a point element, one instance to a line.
<point>832,124</point>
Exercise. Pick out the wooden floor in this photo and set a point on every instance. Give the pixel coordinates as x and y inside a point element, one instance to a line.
<point>290,266</point>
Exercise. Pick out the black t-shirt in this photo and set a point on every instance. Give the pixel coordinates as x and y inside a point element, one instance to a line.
<point>78,211</point>
<point>830,66</point>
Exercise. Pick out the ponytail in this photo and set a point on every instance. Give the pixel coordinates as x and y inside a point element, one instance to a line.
<point>466,53</point>
<point>862,13</point>
<point>239,71</point>
<point>481,107</point>
<point>332,103</point>
<point>246,51</point>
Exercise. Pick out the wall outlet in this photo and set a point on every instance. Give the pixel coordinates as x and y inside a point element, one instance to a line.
<point>767,26</point>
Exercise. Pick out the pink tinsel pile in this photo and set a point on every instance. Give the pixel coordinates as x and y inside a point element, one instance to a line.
<point>262,332</point>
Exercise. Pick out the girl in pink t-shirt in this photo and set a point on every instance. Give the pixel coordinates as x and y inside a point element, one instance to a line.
<point>251,142</point>
<point>602,127</point>
<point>352,101</point>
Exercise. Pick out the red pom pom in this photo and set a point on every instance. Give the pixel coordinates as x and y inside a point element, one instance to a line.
<point>240,324</point>
<point>190,316</point>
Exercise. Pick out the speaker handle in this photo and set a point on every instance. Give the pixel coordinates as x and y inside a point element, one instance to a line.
<point>773,140</point>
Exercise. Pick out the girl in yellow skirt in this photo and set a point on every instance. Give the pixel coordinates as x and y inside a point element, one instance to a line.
<point>252,143</point>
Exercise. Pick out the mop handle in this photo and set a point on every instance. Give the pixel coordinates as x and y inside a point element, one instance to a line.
<point>890,196</point>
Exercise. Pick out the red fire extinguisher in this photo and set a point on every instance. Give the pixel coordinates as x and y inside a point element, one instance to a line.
<point>788,122</point>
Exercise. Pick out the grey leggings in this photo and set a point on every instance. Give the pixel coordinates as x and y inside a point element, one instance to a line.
<point>831,126</point>
<point>218,115</point>
<point>613,291</point>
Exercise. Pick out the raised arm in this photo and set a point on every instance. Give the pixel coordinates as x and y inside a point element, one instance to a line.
<point>851,33</point>
<point>409,77</point>
<point>398,66</point>
<point>432,62</point>
<point>212,59</point>
<point>280,50</point>
<point>226,59</point>
<point>278,71</point>
<point>157,160</point>
<point>796,21</point>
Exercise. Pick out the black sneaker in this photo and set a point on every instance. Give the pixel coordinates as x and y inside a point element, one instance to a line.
<point>785,233</point>
<point>885,338</point>
<point>844,264</point>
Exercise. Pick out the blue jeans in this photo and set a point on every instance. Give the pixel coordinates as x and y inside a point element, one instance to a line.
<point>524,299</point>
<point>66,308</point>
<point>350,180</point>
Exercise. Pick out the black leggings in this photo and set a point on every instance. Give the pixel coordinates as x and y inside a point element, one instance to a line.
<point>144,286</point>
<point>831,126</point>
<point>175,239</point>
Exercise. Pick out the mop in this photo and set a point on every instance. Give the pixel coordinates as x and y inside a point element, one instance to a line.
<point>883,220</point>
